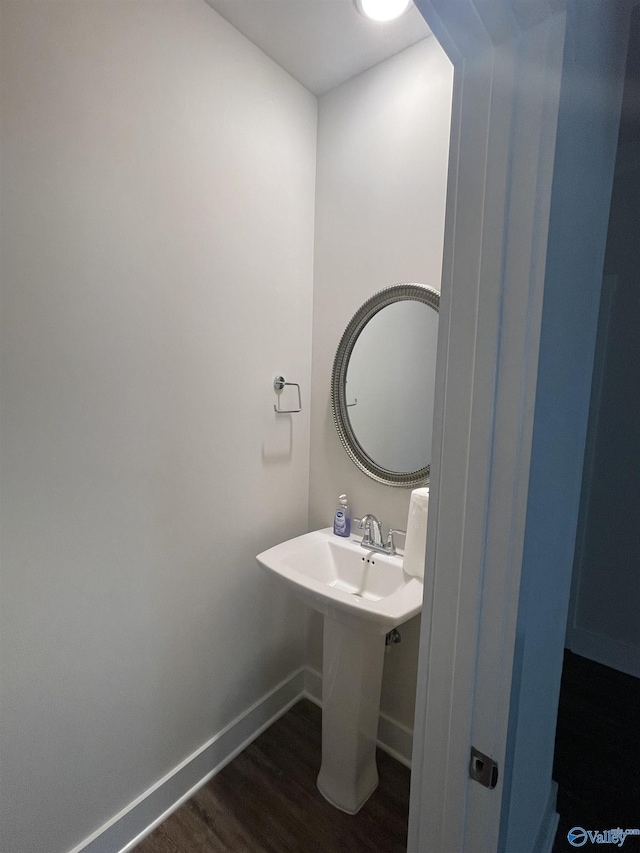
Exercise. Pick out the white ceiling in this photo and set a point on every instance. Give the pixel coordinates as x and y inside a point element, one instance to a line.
<point>321,43</point>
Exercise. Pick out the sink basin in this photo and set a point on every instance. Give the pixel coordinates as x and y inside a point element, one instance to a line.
<point>362,595</point>
<point>336,574</point>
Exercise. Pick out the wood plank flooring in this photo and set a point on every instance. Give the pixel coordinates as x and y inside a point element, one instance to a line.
<point>266,801</point>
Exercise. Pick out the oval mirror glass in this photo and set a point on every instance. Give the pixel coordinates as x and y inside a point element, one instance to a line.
<point>383,384</point>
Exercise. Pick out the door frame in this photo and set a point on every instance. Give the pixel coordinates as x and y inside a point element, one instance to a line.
<point>507,57</point>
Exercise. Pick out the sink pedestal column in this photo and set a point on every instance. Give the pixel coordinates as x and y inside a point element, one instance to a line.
<point>351,684</point>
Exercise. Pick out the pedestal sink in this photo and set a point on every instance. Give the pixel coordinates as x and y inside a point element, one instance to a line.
<point>362,595</point>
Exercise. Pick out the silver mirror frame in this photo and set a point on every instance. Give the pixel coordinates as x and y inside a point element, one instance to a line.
<point>380,300</point>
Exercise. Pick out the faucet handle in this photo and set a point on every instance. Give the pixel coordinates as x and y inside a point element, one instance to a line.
<point>391,544</point>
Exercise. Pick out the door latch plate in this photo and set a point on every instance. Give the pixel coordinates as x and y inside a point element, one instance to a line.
<point>483,768</point>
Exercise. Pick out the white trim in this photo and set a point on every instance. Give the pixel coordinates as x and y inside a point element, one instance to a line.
<point>313,686</point>
<point>508,66</point>
<point>146,812</point>
<point>138,819</point>
<point>549,823</point>
<point>604,650</point>
<point>501,162</point>
<point>533,138</point>
<point>394,738</point>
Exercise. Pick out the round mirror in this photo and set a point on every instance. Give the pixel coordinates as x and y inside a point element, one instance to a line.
<point>382,386</point>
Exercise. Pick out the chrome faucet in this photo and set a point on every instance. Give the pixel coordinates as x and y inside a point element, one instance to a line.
<point>372,536</point>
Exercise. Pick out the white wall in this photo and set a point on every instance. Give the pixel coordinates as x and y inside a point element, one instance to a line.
<point>383,141</point>
<point>157,240</point>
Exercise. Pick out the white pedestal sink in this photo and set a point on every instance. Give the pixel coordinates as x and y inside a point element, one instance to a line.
<point>362,595</point>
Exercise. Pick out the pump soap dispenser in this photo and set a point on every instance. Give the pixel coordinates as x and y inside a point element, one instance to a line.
<point>342,519</point>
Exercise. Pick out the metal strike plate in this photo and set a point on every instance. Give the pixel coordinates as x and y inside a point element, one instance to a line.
<point>483,768</point>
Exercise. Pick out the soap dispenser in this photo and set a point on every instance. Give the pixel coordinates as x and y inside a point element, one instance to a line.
<point>342,518</point>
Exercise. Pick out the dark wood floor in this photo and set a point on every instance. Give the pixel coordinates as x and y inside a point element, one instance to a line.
<point>266,801</point>
<point>597,753</point>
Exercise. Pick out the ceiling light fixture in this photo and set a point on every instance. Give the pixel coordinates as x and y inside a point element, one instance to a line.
<point>383,10</point>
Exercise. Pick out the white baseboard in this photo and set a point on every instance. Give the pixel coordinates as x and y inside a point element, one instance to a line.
<point>144,814</point>
<point>597,647</point>
<point>549,823</point>
<point>150,809</point>
<point>394,738</point>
